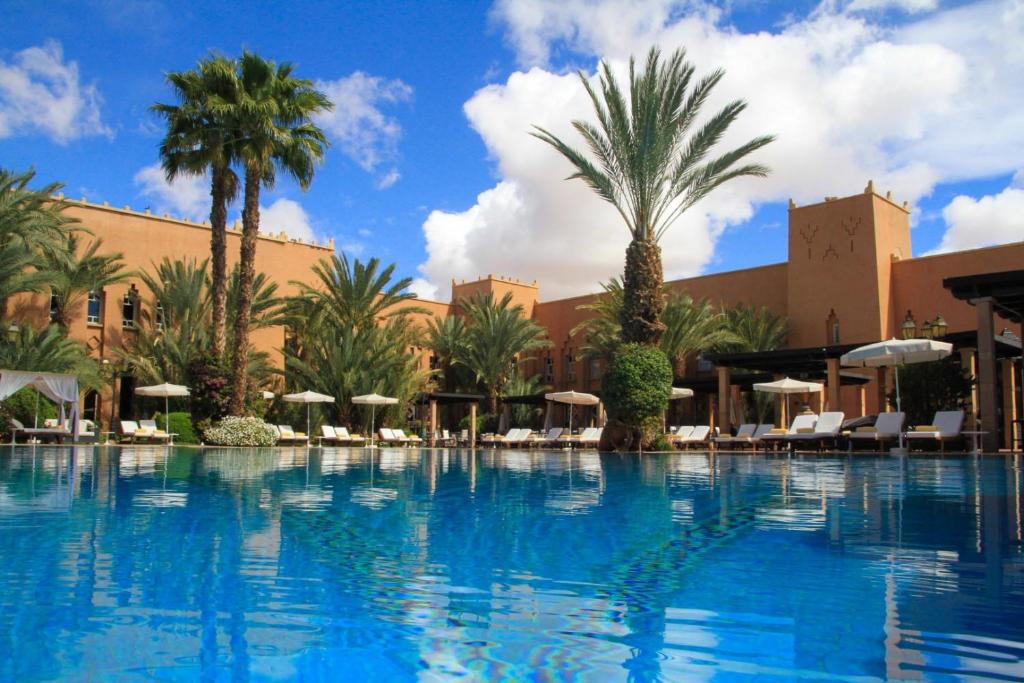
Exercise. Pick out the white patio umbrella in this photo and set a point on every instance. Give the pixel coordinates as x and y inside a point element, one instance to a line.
<point>308,397</point>
<point>373,400</point>
<point>166,391</point>
<point>573,398</point>
<point>268,395</point>
<point>894,353</point>
<point>787,386</point>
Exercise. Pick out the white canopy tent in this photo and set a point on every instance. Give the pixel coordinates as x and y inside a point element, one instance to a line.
<point>373,400</point>
<point>308,397</point>
<point>60,388</point>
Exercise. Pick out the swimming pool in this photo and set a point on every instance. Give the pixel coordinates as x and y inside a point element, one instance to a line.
<point>337,564</point>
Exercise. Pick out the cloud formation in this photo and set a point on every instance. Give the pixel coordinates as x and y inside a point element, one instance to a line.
<point>988,220</point>
<point>848,99</point>
<point>40,92</point>
<point>288,216</point>
<point>359,126</point>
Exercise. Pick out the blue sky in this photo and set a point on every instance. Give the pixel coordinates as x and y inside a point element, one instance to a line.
<point>431,165</point>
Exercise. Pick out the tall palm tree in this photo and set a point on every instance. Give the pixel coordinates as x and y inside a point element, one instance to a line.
<point>652,165</point>
<point>29,220</point>
<point>268,111</point>
<point>498,336</point>
<point>755,329</point>
<point>72,275</point>
<point>197,142</point>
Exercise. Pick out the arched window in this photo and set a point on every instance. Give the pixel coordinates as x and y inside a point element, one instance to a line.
<point>832,327</point>
<point>94,309</point>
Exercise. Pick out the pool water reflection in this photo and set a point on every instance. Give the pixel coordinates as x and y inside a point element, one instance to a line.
<point>404,564</point>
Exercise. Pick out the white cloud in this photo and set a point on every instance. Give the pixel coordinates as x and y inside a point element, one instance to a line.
<point>39,91</point>
<point>288,216</point>
<point>357,123</point>
<point>187,197</point>
<point>388,179</point>
<point>987,220</point>
<point>908,6</point>
<point>849,100</point>
<point>423,289</point>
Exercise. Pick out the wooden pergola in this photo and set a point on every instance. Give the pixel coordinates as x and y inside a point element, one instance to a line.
<point>443,398</point>
<point>992,294</point>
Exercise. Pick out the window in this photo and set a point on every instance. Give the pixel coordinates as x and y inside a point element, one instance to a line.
<point>595,368</point>
<point>570,367</point>
<point>832,327</point>
<point>90,409</point>
<point>704,365</point>
<point>54,305</point>
<point>549,369</point>
<point>835,332</point>
<point>128,307</point>
<point>158,317</point>
<point>435,362</point>
<point>94,309</point>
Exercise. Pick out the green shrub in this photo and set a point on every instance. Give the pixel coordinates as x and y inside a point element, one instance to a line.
<point>926,388</point>
<point>240,431</point>
<point>481,422</point>
<point>180,424</point>
<point>22,407</point>
<point>636,385</point>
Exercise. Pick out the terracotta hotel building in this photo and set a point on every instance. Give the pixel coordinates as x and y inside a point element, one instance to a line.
<point>850,279</point>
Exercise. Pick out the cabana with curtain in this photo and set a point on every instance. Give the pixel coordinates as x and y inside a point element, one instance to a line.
<point>59,388</point>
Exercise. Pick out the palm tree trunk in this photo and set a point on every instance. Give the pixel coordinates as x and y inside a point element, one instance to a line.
<point>492,402</point>
<point>218,253</point>
<point>246,274</point>
<point>643,300</point>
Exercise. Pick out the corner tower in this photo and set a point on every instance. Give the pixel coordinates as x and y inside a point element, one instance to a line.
<point>841,253</point>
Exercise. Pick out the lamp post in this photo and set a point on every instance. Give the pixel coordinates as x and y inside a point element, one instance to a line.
<point>926,329</point>
<point>113,370</point>
<point>909,327</point>
<point>939,327</point>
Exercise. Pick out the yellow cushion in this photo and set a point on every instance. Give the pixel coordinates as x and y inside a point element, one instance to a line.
<point>805,430</point>
<point>777,430</point>
<point>926,428</point>
<point>866,429</point>
<point>160,431</point>
<point>143,430</point>
<point>300,433</point>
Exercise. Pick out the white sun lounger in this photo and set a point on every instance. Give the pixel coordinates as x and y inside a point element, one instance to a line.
<point>827,427</point>
<point>697,437</point>
<point>744,433</point>
<point>799,422</point>
<point>947,423</point>
<point>887,428</point>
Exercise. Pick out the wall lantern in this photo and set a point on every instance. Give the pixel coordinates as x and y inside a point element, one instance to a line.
<point>939,327</point>
<point>926,329</point>
<point>909,327</point>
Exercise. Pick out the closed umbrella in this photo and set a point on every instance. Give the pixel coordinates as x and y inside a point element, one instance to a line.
<point>573,398</point>
<point>308,397</point>
<point>373,400</point>
<point>166,390</point>
<point>894,353</point>
<point>788,386</point>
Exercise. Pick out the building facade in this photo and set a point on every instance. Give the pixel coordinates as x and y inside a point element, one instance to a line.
<point>850,277</point>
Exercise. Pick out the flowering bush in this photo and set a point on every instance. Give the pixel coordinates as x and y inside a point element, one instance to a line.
<point>241,431</point>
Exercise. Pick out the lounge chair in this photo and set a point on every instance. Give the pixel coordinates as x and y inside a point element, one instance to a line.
<point>744,432</point>
<point>755,438</point>
<point>410,439</point>
<point>698,437</point>
<point>346,437</point>
<point>679,434</point>
<point>945,427</point>
<point>464,438</point>
<point>447,439</point>
<point>551,438</point>
<point>887,428</point>
<point>42,433</point>
<point>392,437</point>
<point>290,436</point>
<point>826,428</point>
<point>498,439</point>
<point>779,435</point>
<point>328,434</point>
<point>590,437</point>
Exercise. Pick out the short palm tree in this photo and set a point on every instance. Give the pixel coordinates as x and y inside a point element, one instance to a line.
<point>651,162</point>
<point>498,336</point>
<point>447,338</point>
<point>198,142</point>
<point>691,327</point>
<point>268,114</point>
<point>72,275</point>
<point>49,350</point>
<point>755,329</point>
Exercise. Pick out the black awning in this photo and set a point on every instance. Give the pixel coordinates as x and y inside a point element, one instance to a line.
<point>449,399</point>
<point>1006,289</point>
<point>782,361</point>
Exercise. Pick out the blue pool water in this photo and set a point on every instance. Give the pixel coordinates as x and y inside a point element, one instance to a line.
<point>136,564</point>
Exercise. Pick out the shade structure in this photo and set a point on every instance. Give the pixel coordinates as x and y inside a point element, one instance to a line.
<point>166,391</point>
<point>573,398</point>
<point>373,400</point>
<point>308,397</point>
<point>894,353</point>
